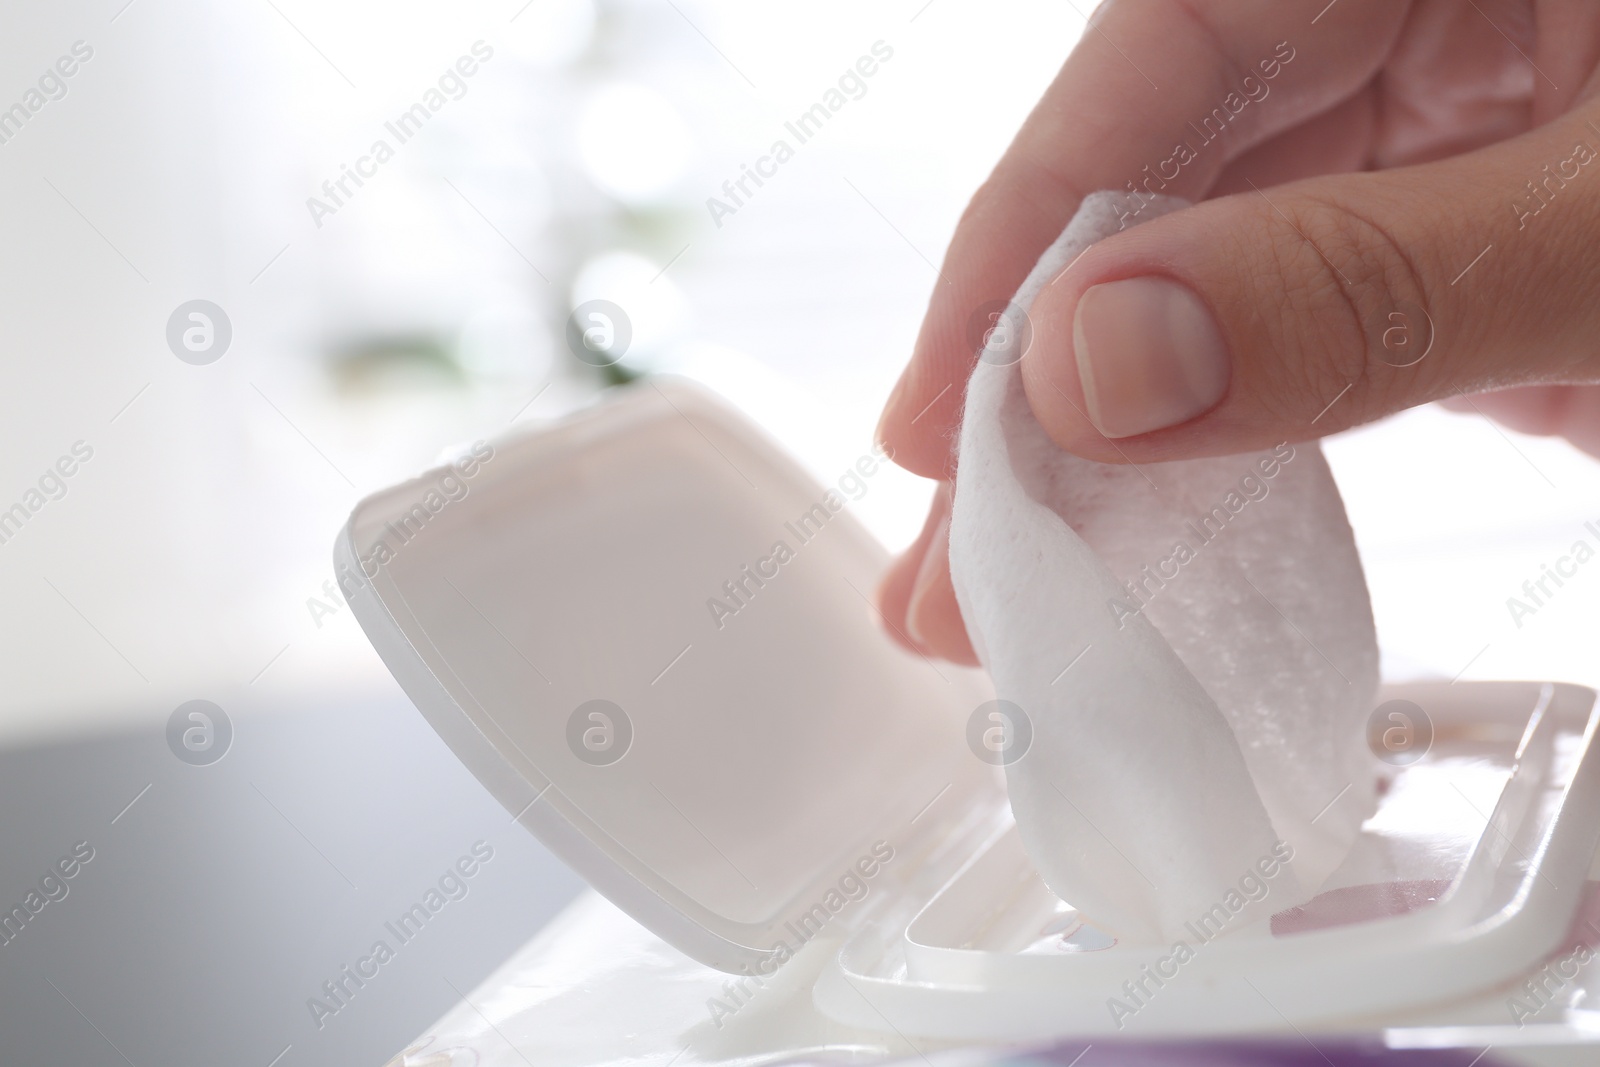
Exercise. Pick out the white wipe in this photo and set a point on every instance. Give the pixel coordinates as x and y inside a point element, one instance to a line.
<point>1214,705</point>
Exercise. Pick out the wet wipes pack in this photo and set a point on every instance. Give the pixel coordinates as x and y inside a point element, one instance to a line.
<point>785,782</point>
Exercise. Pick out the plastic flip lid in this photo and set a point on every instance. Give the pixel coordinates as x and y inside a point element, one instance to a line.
<point>650,634</point>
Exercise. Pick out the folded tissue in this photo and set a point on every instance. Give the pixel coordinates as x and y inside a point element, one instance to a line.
<point>1190,643</point>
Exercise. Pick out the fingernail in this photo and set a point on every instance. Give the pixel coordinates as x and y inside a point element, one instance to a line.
<point>933,561</point>
<point>889,405</point>
<point>1149,355</point>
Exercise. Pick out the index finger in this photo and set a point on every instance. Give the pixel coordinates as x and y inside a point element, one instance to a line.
<point>1156,98</point>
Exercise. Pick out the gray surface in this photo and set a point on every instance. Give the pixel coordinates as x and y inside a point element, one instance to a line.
<point>219,903</point>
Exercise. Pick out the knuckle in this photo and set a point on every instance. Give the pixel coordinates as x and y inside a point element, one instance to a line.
<point>1352,303</point>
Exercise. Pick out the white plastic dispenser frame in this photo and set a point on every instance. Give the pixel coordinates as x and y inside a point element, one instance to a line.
<point>1470,873</point>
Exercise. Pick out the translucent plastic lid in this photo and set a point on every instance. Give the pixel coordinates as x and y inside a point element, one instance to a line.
<point>651,636</point>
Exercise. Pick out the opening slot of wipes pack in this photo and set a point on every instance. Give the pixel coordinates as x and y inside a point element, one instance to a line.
<point>1470,872</point>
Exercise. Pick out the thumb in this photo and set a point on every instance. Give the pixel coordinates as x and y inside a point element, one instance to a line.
<point>1291,312</point>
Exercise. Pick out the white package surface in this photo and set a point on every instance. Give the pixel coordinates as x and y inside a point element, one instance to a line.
<point>1190,642</point>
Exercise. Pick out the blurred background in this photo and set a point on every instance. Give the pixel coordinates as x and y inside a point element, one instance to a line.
<point>424,306</point>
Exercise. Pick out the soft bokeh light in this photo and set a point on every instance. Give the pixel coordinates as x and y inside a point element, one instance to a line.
<point>654,305</point>
<point>633,141</point>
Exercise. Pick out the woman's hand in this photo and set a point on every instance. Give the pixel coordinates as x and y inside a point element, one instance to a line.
<point>1401,204</point>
